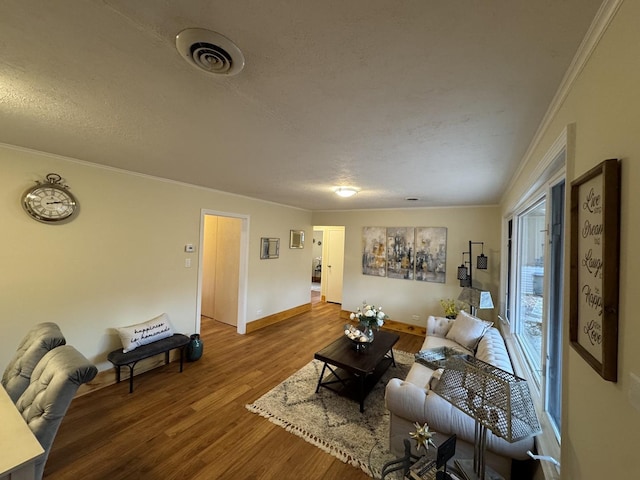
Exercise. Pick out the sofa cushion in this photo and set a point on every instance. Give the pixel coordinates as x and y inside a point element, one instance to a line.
<point>437,342</point>
<point>492,349</point>
<point>439,326</point>
<point>467,330</point>
<point>421,374</point>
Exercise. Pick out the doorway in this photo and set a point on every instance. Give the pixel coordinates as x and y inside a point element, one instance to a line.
<point>222,269</point>
<point>316,265</point>
<point>331,261</point>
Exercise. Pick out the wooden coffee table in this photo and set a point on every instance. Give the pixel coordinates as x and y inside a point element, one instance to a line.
<point>354,373</point>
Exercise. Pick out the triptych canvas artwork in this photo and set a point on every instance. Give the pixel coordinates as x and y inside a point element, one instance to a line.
<point>410,253</point>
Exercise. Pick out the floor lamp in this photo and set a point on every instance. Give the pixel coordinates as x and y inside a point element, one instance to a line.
<point>474,297</point>
<point>498,401</point>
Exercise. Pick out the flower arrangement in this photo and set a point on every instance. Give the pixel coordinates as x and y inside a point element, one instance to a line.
<point>369,315</point>
<point>450,307</point>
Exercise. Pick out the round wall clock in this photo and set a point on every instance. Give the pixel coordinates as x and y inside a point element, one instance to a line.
<point>50,201</point>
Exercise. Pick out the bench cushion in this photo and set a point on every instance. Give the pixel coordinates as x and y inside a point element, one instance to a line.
<point>119,357</point>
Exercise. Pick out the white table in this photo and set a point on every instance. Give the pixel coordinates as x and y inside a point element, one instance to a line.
<point>18,446</point>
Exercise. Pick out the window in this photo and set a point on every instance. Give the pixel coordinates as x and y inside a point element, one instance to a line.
<point>553,392</point>
<point>532,283</point>
<point>529,301</point>
<point>534,295</point>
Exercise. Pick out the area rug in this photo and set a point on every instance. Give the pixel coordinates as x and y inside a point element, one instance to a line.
<point>331,422</point>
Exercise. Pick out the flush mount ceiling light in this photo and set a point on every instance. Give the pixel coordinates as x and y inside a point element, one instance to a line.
<point>209,51</point>
<point>346,191</point>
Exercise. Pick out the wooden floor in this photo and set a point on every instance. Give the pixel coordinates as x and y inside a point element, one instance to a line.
<point>194,425</point>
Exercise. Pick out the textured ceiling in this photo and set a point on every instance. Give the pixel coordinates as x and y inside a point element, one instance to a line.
<point>432,99</point>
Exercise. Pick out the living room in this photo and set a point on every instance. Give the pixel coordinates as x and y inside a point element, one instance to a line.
<point>123,259</point>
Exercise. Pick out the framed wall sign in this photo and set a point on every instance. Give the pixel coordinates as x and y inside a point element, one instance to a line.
<point>595,264</point>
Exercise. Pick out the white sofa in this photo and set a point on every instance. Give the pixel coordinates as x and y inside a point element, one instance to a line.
<point>410,400</point>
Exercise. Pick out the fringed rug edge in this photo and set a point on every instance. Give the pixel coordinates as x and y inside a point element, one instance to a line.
<point>312,439</point>
<point>327,447</point>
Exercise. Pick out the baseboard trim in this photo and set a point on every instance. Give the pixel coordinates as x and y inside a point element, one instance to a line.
<point>394,325</point>
<point>277,317</point>
<point>108,377</point>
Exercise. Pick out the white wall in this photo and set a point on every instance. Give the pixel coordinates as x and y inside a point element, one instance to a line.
<point>121,261</point>
<point>402,299</point>
<point>601,428</point>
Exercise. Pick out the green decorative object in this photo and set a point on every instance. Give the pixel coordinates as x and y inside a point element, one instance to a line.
<point>194,348</point>
<point>450,307</point>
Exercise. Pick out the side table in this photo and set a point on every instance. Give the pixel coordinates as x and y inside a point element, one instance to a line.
<point>431,466</point>
<point>402,463</point>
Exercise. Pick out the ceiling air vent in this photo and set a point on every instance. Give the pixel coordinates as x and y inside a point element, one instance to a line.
<point>209,51</point>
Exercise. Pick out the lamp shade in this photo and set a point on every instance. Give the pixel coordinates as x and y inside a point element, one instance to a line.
<point>482,262</point>
<point>475,297</point>
<point>462,272</point>
<point>497,399</point>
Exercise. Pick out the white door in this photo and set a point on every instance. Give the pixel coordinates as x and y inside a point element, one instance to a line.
<point>227,270</point>
<point>220,268</point>
<point>209,256</point>
<point>334,264</point>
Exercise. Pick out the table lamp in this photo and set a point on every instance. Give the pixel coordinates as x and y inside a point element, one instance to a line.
<point>498,401</point>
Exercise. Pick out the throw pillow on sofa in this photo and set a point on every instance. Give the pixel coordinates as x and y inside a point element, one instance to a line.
<point>468,330</point>
<point>439,326</point>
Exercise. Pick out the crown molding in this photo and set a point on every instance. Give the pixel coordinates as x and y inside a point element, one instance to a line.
<point>598,27</point>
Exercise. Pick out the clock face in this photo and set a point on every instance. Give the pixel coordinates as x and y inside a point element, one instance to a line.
<point>49,203</point>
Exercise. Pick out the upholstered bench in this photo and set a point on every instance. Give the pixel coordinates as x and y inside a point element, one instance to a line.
<point>119,359</point>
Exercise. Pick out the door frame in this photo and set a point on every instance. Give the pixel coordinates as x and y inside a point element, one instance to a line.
<point>243,267</point>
